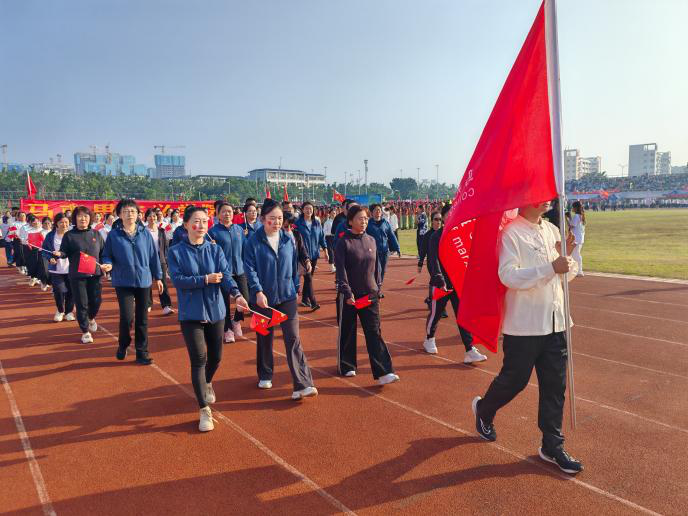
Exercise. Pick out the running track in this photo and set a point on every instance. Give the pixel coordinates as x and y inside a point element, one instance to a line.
<point>81,433</point>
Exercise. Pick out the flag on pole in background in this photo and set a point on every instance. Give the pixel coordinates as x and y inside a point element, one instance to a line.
<point>286,194</point>
<point>267,192</point>
<point>512,166</point>
<point>30,187</point>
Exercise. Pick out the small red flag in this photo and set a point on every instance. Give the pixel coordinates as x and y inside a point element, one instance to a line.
<point>30,187</point>
<point>168,227</point>
<point>408,282</point>
<point>362,302</point>
<point>277,318</point>
<point>336,196</point>
<point>35,239</point>
<point>267,193</point>
<point>438,293</point>
<point>259,324</point>
<point>286,194</point>
<point>87,264</point>
<point>98,226</point>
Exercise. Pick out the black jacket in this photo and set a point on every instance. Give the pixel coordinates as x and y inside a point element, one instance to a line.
<point>76,241</point>
<point>424,243</point>
<point>438,276</point>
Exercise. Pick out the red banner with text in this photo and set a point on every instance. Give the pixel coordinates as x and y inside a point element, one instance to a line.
<point>51,208</point>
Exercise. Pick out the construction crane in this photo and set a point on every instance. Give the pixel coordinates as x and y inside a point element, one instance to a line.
<point>163,147</point>
<point>4,156</point>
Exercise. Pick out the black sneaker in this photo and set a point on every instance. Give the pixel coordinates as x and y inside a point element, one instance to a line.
<point>144,359</point>
<point>303,303</point>
<point>121,353</point>
<point>444,314</point>
<point>562,459</point>
<point>381,295</point>
<point>487,432</point>
<point>315,307</point>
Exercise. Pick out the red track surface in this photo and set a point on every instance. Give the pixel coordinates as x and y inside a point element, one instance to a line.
<point>116,438</point>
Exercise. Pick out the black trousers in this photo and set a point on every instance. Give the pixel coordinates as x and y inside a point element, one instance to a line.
<point>380,359</point>
<point>547,353</point>
<point>87,298</point>
<point>382,262</point>
<point>329,241</point>
<point>308,295</point>
<point>31,261</point>
<point>296,359</point>
<point>62,292</point>
<point>165,299</point>
<point>18,253</point>
<point>204,344</point>
<point>133,310</point>
<point>242,283</point>
<point>435,315</point>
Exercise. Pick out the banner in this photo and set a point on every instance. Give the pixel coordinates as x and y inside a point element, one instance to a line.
<point>52,208</point>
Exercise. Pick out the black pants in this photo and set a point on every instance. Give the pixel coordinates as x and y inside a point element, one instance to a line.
<point>133,310</point>
<point>204,344</point>
<point>298,365</point>
<point>547,353</point>
<point>308,295</point>
<point>382,262</point>
<point>380,360</point>
<point>31,260</point>
<point>62,292</point>
<point>242,284</point>
<point>165,299</point>
<point>87,298</point>
<point>419,238</point>
<point>436,309</point>
<point>18,253</point>
<point>329,240</point>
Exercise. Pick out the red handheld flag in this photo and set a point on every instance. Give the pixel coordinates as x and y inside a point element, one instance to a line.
<point>512,166</point>
<point>277,318</point>
<point>408,282</point>
<point>259,324</point>
<point>30,187</point>
<point>438,293</point>
<point>267,193</point>
<point>168,228</point>
<point>336,196</point>
<point>362,302</point>
<point>87,264</point>
<point>98,226</point>
<point>35,239</point>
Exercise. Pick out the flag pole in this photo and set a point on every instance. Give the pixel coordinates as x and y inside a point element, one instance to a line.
<point>551,39</point>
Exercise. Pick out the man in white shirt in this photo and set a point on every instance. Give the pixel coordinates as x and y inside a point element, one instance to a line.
<point>532,269</point>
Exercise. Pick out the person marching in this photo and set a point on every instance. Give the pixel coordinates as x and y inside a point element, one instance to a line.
<point>358,276</point>
<point>17,245</point>
<point>58,269</point>
<point>532,268</point>
<point>271,265</point>
<point>162,245</point>
<point>42,267</point>
<point>385,240</point>
<point>198,269</point>
<point>435,224</point>
<point>7,235</point>
<point>230,238</point>
<point>30,253</point>
<point>251,222</point>
<point>439,280</point>
<point>86,288</point>
<point>578,230</point>
<point>329,237</point>
<point>311,230</point>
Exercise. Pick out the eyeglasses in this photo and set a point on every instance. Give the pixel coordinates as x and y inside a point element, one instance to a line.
<point>437,220</point>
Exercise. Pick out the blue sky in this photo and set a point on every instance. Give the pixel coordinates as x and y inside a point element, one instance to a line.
<point>404,84</point>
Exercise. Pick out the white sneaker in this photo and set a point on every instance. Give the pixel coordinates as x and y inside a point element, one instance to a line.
<point>430,346</point>
<point>265,384</point>
<point>92,325</point>
<point>205,423</point>
<point>44,286</point>
<point>304,393</point>
<point>149,309</point>
<point>86,338</point>
<point>167,310</point>
<point>32,282</point>
<point>388,378</point>
<point>350,374</point>
<point>70,317</point>
<point>209,393</point>
<point>333,268</point>
<point>473,356</point>
<point>236,328</point>
<point>229,336</point>
<point>58,316</point>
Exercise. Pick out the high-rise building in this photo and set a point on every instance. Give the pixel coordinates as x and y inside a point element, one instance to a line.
<point>645,159</point>
<point>576,166</point>
<point>664,162</point>
<point>679,169</point>
<point>169,166</point>
<point>290,177</point>
<point>110,164</point>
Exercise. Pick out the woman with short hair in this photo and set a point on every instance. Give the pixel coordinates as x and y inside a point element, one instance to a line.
<point>313,236</point>
<point>162,245</point>
<point>58,269</point>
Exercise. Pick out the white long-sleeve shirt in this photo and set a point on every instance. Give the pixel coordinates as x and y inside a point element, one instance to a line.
<point>327,227</point>
<point>535,293</point>
<point>393,221</point>
<point>578,228</point>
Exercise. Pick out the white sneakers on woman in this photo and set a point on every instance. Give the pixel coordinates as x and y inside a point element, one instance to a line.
<point>430,346</point>
<point>86,338</point>
<point>92,325</point>
<point>388,378</point>
<point>304,393</point>
<point>229,336</point>
<point>205,424</point>
<point>70,317</point>
<point>473,356</point>
<point>58,316</point>
<point>265,384</point>
<point>236,328</point>
<point>209,393</point>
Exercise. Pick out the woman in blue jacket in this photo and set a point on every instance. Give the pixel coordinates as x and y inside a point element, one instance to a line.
<point>230,238</point>
<point>314,239</point>
<point>133,255</point>
<point>198,269</point>
<point>271,266</point>
<point>384,237</point>
<point>251,223</point>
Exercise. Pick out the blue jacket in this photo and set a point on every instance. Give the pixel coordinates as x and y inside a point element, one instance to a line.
<point>341,229</point>
<point>135,260</point>
<point>180,233</point>
<point>231,241</point>
<point>313,238</point>
<point>274,274</point>
<point>248,230</point>
<point>188,265</point>
<point>384,236</point>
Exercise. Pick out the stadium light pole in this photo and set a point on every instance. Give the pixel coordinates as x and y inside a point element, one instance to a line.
<point>437,180</point>
<point>365,163</point>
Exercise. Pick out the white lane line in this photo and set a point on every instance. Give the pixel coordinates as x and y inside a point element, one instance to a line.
<point>638,278</point>
<point>38,480</point>
<point>582,293</point>
<point>583,307</point>
<point>258,444</point>
<point>631,335</point>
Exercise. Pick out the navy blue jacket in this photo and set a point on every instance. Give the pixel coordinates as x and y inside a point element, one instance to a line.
<point>249,230</point>
<point>384,236</point>
<point>313,238</point>
<point>275,275</point>
<point>135,260</point>
<point>231,241</point>
<point>342,229</point>
<point>188,265</point>
<point>180,233</point>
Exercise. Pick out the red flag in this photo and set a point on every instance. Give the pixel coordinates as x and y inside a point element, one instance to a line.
<point>12,232</point>
<point>259,324</point>
<point>30,187</point>
<point>277,318</point>
<point>98,226</point>
<point>336,196</point>
<point>168,228</point>
<point>35,239</point>
<point>362,302</point>
<point>267,193</point>
<point>87,264</point>
<point>438,293</point>
<point>512,166</point>
<point>604,194</point>
<point>286,194</point>
<point>408,282</point>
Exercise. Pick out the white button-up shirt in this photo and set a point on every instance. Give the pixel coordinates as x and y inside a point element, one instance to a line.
<point>535,294</point>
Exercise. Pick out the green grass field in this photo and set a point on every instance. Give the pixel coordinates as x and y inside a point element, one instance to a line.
<point>647,242</point>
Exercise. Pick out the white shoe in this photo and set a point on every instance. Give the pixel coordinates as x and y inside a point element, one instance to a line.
<point>44,286</point>
<point>473,356</point>
<point>70,317</point>
<point>265,384</point>
<point>58,316</point>
<point>333,268</point>
<point>92,325</point>
<point>236,328</point>
<point>209,393</point>
<point>86,338</point>
<point>430,346</point>
<point>205,423</point>
<point>229,336</point>
<point>350,374</point>
<point>388,378</point>
<point>32,282</point>
<point>167,310</point>
<point>304,393</point>
<point>149,309</point>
